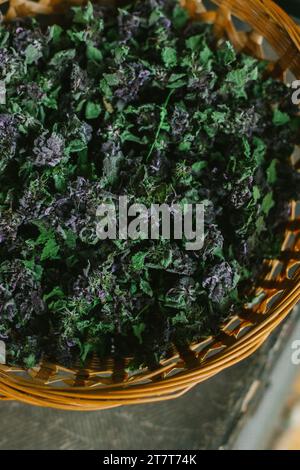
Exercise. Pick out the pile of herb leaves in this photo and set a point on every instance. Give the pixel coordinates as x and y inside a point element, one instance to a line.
<point>136,102</point>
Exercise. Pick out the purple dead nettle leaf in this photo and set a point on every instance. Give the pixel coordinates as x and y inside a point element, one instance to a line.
<point>129,24</point>
<point>21,293</point>
<point>8,139</point>
<point>48,149</point>
<point>219,281</point>
<point>179,122</point>
<point>132,77</point>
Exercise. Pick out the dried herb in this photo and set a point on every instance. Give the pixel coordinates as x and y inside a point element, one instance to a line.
<point>136,102</point>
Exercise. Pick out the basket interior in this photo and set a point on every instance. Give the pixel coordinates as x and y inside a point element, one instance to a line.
<point>276,293</point>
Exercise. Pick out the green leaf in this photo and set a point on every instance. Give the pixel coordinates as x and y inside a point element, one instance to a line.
<point>93,53</point>
<point>30,361</point>
<point>180,17</point>
<point>194,43</point>
<point>256,193</point>
<point>138,261</point>
<point>55,33</point>
<point>259,151</point>
<point>50,250</point>
<point>268,203</point>
<point>180,319</point>
<point>184,146</point>
<point>138,330</point>
<point>77,36</point>
<point>112,79</point>
<point>280,118</point>
<point>239,78</point>
<point>174,77</point>
<point>121,53</point>
<point>167,259</point>
<point>145,286</point>
<point>70,238</point>
<point>60,182</point>
<point>169,56</point>
<point>45,233</point>
<point>198,167</point>
<point>56,292</point>
<point>247,148</point>
<point>33,53</point>
<point>92,110</point>
<point>62,57</point>
<point>260,224</point>
<point>85,350</point>
<point>36,269</point>
<point>227,54</point>
<point>177,80</point>
<point>77,145</point>
<point>272,172</point>
<point>83,15</point>
<point>205,55</point>
<point>129,137</point>
<point>219,117</point>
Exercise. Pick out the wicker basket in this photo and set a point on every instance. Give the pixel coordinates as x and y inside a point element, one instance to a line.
<point>105,384</point>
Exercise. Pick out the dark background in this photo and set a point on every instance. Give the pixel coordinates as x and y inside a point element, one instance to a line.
<point>291,6</point>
